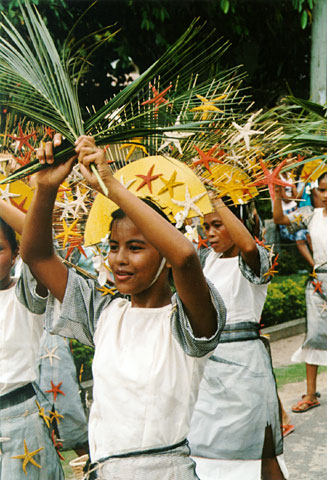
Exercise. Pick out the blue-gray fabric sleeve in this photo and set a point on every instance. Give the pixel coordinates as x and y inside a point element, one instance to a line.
<point>80,310</point>
<point>182,330</point>
<point>265,264</point>
<point>26,292</point>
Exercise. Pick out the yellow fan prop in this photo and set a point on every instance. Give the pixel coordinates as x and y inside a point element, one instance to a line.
<point>167,181</point>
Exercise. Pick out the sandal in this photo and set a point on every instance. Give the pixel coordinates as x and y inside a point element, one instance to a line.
<point>298,408</point>
<point>287,429</point>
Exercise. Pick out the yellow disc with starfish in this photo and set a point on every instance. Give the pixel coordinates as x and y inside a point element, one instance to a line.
<point>233,182</point>
<point>168,182</point>
<point>311,171</point>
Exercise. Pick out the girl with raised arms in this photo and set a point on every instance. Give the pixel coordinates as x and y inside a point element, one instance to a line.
<point>150,349</point>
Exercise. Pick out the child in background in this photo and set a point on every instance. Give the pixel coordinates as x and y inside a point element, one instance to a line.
<point>314,349</point>
<point>27,451</point>
<point>55,363</point>
<point>150,351</point>
<point>235,428</point>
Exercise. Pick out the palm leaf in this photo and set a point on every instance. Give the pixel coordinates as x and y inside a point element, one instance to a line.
<point>38,83</point>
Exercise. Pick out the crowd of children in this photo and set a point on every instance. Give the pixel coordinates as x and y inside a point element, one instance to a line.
<point>183,380</point>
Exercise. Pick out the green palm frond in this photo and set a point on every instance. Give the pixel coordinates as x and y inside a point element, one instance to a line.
<point>42,85</point>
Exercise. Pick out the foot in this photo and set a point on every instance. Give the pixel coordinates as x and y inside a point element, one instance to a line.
<point>287,429</point>
<point>307,402</point>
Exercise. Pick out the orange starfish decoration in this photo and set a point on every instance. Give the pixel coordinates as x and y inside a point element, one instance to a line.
<point>68,230</point>
<point>317,286</point>
<point>206,157</point>
<point>48,131</point>
<point>24,160</point>
<point>27,457</point>
<point>23,139</point>
<point>271,178</point>
<point>20,205</point>
<point>158,98</point>
<point>55,390</point>
<point>57,445</point>
<point>202,242</point>
<point>262,243</point>
<point>147,179</point>
<point>75,243</point>
<point>271,272</point>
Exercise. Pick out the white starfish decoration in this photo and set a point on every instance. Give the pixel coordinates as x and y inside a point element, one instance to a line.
<point>127,184</point>
<point>79,202</point>
<point>323,307</point>
<point>6,195</point>
<point>114,117</point>
<point>51,355</point>
<point>75,175</point>
<point>189,203</point>
<point>245,132</point>
<point>271,253</point>
<point>67,208</point>
<point>173,137</point>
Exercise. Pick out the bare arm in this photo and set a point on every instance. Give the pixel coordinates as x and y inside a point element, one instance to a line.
<point>12,216</point>
<point>240,235</point>
<point>37,244</point>
<point>278,214</point>
<point>178,250</point>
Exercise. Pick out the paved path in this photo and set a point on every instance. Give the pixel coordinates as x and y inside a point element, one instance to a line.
<point>305,449</point>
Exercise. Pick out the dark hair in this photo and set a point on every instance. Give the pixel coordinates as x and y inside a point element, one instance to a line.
<point>248,214</point>
<point>322,177</point>
<point>119,213</point>
<point>9,235</point>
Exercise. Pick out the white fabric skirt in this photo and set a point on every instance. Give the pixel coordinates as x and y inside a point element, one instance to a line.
<point>310,355</point>
<point>212,469</point>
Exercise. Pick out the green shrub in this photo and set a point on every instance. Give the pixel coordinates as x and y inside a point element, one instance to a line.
<point>83,356</point>
<point>285,300</point>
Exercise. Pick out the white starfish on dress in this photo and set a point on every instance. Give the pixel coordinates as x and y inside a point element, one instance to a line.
<point>51,355</point>
<point>323,307</point>
<point>271,253</point>
<point>173,137</point>
<point>189,203</point>
<point>127,184</point>
<point>245,132</point>
<point>6,195</point>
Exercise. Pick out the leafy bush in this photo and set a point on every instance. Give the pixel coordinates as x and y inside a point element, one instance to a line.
<point>83,357</point>
<point>285,300</point>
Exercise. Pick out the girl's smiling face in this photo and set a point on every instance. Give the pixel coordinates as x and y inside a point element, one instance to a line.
<point>218,235</point>
<point>7,258</point>
<point>134,261</point>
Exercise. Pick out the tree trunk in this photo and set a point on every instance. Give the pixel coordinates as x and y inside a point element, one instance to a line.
<point>318,66</point>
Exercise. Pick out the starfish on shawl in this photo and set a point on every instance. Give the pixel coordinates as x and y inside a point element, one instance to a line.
<point>55,415</point>
<point>271,272</point>
<point>51,355</point>
<point>43,415</point>
<point>174,137</point>
<point>208,105</point>
<point>189,203</point>
<point>206,157</point>
<point>323,307</point>
<point>55,390</point>
<point>57,444</point>
<point>27,457</point>
<point>107,290</point>
<point>271,178</point>
<point>245,132</point>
